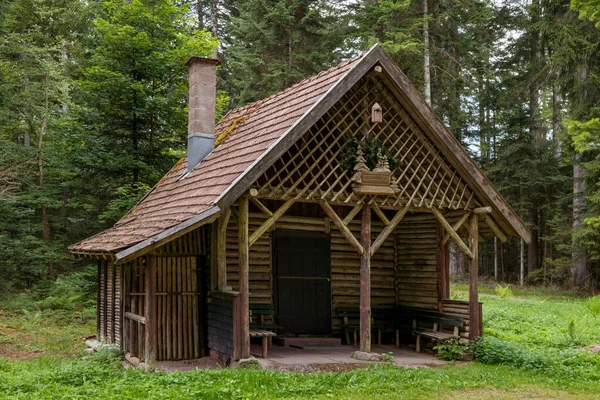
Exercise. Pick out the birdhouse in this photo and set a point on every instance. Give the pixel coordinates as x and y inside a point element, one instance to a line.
<point>376,113</point>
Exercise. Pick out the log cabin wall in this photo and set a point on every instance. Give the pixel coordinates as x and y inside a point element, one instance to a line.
<point>182,277</point>
<point>345,262</point>
<point>345,271</point>
<point>416,270</point>
<point>461,309</point>
<point>109,303</point>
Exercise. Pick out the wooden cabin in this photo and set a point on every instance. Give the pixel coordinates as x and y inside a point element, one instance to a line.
<point>340,191</point>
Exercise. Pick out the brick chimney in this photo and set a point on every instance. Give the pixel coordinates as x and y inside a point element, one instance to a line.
<point>201,117</point>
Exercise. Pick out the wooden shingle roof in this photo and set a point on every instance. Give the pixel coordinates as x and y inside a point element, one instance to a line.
<point>252,138</point>
<point>176,199</point>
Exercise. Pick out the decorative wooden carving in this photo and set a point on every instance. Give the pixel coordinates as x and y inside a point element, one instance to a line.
<point>376,182</point>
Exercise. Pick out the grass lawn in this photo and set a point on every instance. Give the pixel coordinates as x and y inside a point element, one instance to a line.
<point>528,353</point>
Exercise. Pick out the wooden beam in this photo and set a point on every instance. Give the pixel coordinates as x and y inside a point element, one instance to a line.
<point>388,229</point>
<point>427,120</point>
<point>299,128</point>
<point>343,228</point>
<point>380,214</point>
<point>270,221</point>
<point>456,227</point>
<point>365,281</point>
<point>244,265</point>
<point>222,249</point>
<point>150,311</point>
<point>488,220</point>
<point>474,316</point>
<point>353,213</point>
<point>482,210</point>
<point>261,206</point>
<point>452,232</point>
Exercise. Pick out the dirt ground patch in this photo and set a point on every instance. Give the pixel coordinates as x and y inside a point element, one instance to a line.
<point>516,394</point>
<point>13,343</point>
<point>594,348</point>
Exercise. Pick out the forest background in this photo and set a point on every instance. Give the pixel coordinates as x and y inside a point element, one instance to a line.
<point>93,109</point>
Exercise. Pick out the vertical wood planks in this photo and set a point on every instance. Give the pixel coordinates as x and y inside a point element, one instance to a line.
<point>150,309</point>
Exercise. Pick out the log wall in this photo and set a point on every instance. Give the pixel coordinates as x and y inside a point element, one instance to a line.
<point>345,263</point>
<point>461,308</point>
<point>345,271</point>
<point>109,303</point>
<point>179,299</point>
<point>416,270</point>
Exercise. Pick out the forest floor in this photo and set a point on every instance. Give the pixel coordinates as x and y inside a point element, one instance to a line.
<point>532,337</point>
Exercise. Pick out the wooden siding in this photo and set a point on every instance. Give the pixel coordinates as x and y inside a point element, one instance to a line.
<point>345,263</point>
<point>460,308</point>
<point>416,271</point>
<point>220,325</point>
<point>178,302</point>
<point>109,303</point>
<point>345,271</point>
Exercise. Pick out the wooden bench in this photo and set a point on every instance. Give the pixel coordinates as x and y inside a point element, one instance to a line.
<point>266,338</point>
<point>260,328</point>
<point>381,321</point>
<point>436,320</point>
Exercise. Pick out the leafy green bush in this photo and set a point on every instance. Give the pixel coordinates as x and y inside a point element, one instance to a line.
<point>451,350</point>
<point>567,364</point>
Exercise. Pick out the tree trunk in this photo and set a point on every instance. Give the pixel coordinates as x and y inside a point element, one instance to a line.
<point>44,210</point>
<point>200,14</point>
<point>496,259</point>
<point>536,135</point>
<point>426,60</point>
<point>556,119</point>
<point>214,21</point>
<point>579,258</point>
<point>522,264</point>
<point>533,248</point>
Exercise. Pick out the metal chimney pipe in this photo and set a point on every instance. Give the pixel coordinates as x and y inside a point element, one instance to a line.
<point>201,105</point>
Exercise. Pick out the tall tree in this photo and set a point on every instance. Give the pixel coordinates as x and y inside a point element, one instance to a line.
<point>272,44</point>
<point>134,90</point>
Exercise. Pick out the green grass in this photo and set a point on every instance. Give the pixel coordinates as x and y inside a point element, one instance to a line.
<point>539,318</point>
<point>529,351</point>
<point>46,378</point>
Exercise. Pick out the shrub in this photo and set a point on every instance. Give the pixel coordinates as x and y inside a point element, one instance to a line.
<point>567,364</point>
<point>451,350</point>
<point>503,291</point>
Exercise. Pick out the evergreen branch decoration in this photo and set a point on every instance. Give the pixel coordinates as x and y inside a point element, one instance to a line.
<point>370,148</point>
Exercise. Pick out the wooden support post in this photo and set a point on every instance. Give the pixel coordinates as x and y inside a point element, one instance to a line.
<point>474,316</point>
<point>244,261</point>
<point>150,309</point>
<point>365,281</point>
<point>442,267</point>
<point>222,249</point>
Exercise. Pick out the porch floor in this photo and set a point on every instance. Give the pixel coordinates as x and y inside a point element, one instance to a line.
<point>289,357</point>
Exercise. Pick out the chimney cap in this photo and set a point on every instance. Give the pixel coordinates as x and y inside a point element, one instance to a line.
<point>202,60</point>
